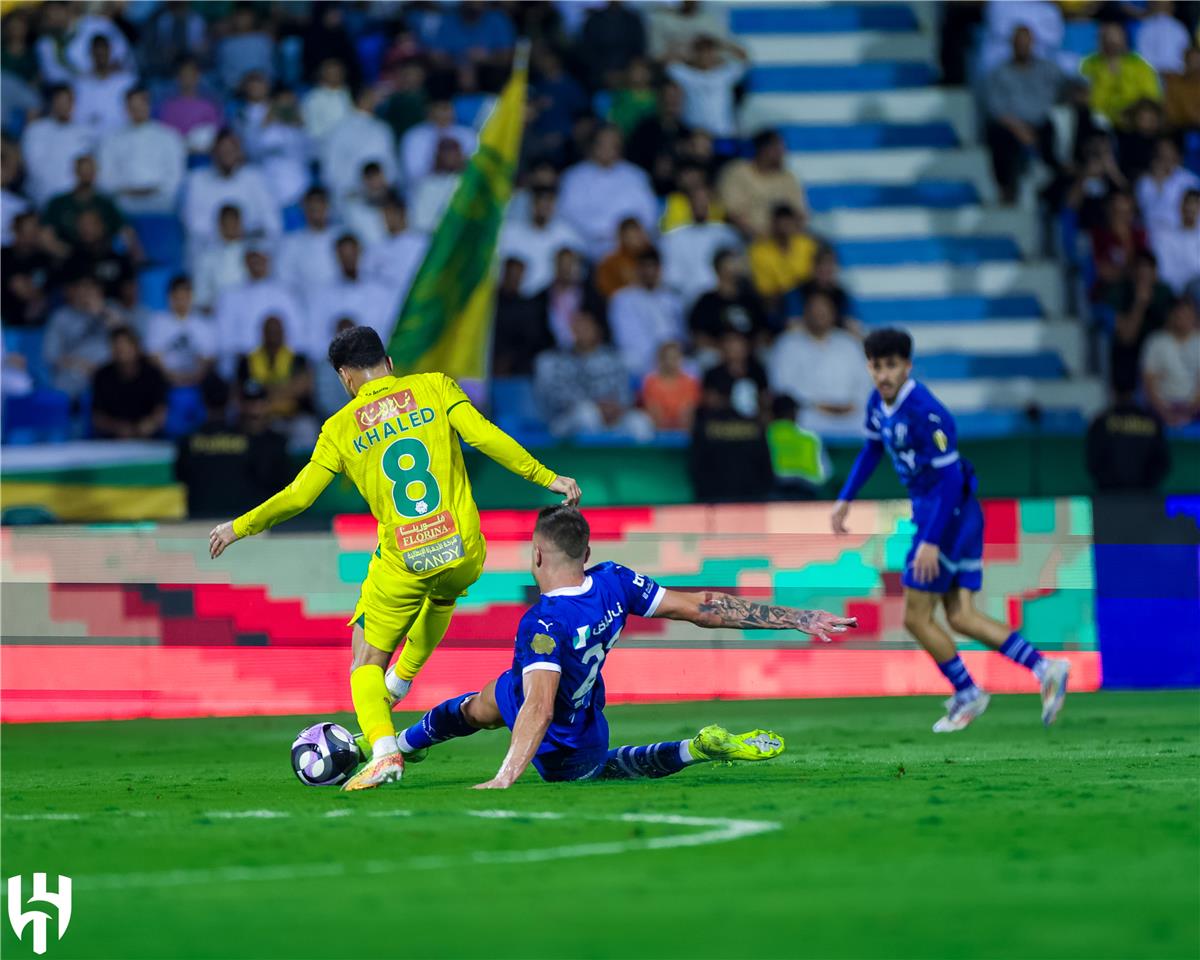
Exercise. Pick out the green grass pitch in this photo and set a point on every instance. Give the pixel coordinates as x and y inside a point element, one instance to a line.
<point>192,839</point>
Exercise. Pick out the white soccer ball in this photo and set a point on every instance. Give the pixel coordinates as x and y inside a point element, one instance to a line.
<point>325,755</point>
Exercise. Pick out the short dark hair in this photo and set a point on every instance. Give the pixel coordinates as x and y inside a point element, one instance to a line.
<point>649,255</point>
<point>888,342</point>
<point>725,253</point>
<point>136,90</point>
<point>123,332</point>
<point>314,191</point>
<point>358,348</point>
<point>179,280</point>
<point>566,528</point>
<point>765,137</point>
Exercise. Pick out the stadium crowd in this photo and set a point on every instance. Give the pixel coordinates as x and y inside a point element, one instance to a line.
<point>196,197</point>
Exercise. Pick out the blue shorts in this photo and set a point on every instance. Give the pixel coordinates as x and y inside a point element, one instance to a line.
<point>961,548</point>
<point>555,761</point>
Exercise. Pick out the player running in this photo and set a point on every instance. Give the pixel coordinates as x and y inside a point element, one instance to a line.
<point>553,697</point>
<point>945,561</point>
<point>398,440</point>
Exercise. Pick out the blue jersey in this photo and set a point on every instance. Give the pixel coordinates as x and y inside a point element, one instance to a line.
<point>571,631</point>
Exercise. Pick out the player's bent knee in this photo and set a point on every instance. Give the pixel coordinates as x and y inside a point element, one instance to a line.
<point>482,712</point>
<point>961,621</point>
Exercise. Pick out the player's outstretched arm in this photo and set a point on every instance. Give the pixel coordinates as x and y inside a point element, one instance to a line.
<point>295,498</point>
<point>864,465</point>
<point>714,610</point>
<point>533,720</point>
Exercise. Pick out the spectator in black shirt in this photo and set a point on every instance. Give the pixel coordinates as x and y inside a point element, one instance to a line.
<point>1127,448</point>
<point>738,384</point>
<point>732,306</point>
<point>129,394</point>
<point>27,269</point>
<point>825,280</point>
<point>654,143</point>
<point>522,329</point>
<point>611,37</point>
<point>93,255</point>
<point>1141,305</point>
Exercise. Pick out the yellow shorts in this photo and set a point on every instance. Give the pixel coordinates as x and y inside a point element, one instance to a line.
<point>390,600</point>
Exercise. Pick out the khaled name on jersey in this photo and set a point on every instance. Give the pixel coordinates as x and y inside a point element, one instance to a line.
<point>396,413</point>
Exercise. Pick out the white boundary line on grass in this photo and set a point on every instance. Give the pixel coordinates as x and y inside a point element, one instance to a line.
<point>714,830</point>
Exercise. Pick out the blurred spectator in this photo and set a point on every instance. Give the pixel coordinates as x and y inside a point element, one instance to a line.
<point>129,393</point>
<point>223,467</point>
<point>654,143</point>
<point>474,41</point>
<point>732,305</point>
<point>328,101</point>
<point>306,257</point>
<point>242,309</point>
<point>822,369</point>
<point>1161,39</point>
<point>680,210</point>
<point>738,384</point>
<point>1182,93</point>
<point>676,26</point>
<point>568,293</point>
<point>51,46</point>
<point>407,104</point>
<point>362,209</point>
<point>1178,248</point>
<point>194,115</point>
<point>229,181</point>
<point>521,331</point>
<point>708,80</point>
<point>17,56</point>
<point>537,241</point>
<point>246,48</point>
<point>79,52</point>
<point>611,37</point>
<point>1160,190</point>
<point>750,190</point>
<point>619,268</point>
<point>368,303</point>
<point>782,260</point>
<point>1117,242</point>
<point>1137,143</point>
<point>281,369</point>
<point>1020,95</point>
<point>688,251</point>
<point>419,148</point>
<point>798,458</point>
<point>250,111</point>
<point>825,280</point>
<point>100,93</point>
<point>221,264</point>
<point>432,195</point>
<point>644,315</point>
<point>76,341</point>
<point>329,395</point>
<point>50,146</point>
<point>1043,19</point>
<point>175,32</point>
<point>1141,306</point>
<point>12,204</point>
<point>669,393</point>
<point>92,252</point>
<point>1171,366</point>
<point>142,165</point>
<point>1127,448</point>
<point>729,460</point>
<point>597,194</point>
<point>326,38</point>
<point>1096,178</point>
<point>64,210</point>
<point>1118,78</point>
<point>585,388</point>
<point>635,98</point>
<point>394,260</point>
<point>182,341</point>
<point>26,275</point>
<point>283,150</point>
<point>558,101</point>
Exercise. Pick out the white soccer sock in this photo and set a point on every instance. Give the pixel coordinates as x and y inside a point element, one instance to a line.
<point>383,746</point>
<point>685,752</point>
<point>398,687</point>
<point>403,745</point>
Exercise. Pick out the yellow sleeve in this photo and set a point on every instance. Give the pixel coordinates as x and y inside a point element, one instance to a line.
<point>490,440</point>
<point>761,273</point>
<point>295,498</point>
<point>1151,89</point>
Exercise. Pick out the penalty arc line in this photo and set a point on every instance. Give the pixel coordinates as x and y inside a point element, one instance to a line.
<point>716,830</point>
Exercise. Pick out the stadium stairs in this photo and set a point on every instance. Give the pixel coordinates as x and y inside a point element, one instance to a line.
<point>899,183</point>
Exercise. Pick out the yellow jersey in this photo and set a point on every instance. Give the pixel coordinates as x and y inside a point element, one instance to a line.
<point>398,441</point>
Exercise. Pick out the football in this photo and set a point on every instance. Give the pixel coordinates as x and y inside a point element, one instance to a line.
<point>324,755</point>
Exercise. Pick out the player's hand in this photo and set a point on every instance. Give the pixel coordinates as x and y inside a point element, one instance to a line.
<point>222,535</point>
<point>838,518</point>
<point>821,623</point>
<point>926,563</point>
<point>494,784</point>
<point>568,488</point>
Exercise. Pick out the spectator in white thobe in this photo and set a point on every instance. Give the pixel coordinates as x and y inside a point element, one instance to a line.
<point>433,193</point>
<point>306,256</point>
<point>221,262</point>
<point>1161,39</point>
<point>100,93</point>
<point>351,294</point>
<point>142,165</point>
<point>418,148</point>
<point>1160,189</point>
<point>182,340</point>
<point>358,139</point>
<point>229,180</point>
<point>688,251</point>
<point>328,102</point>
<point>50,146</point>
<point>708,82</point>
<point>394,260</point>
<point>645,315</point>
<point>242,309</point>
<point>1178,248</point>
<point>538,241</point>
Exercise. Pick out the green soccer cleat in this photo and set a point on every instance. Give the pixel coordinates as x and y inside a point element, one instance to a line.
<point>717,743</point>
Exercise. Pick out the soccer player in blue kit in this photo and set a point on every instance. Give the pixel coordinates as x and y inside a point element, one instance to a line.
<point>553,697</point>
<point>945,562</point>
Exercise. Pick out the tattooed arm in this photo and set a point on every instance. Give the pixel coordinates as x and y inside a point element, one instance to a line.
<point>713,610</point>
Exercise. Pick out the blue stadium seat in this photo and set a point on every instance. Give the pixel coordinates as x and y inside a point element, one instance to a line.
<point>152,286</point>
<point>884,311</point>
<point>370,48</point>
<point>1042,365</point>
<point>28,343</point>
<point>185,411</point>
<point>837,78</point>
<point>839,18</point>
<point>965,251</point>
<point>941,194</point>
<point>161,236</point>
<point>1081,37</point>
<point>515,410</point>
<point>467,107</point>
<point>811,138</point>
<point>293,218</point>
<point>43,416</point>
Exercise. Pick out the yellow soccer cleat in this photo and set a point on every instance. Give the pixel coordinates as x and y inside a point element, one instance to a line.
<point>386,769</point>
<point>717,743</point>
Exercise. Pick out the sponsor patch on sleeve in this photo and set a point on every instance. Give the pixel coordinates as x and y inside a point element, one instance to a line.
<point>542,643</point>
<point>939,438</point>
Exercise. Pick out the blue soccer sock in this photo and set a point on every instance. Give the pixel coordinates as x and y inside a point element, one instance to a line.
<point>955,671</point>
<point>1019,650</point>
<point>656,760</point>
<point>443,722</point>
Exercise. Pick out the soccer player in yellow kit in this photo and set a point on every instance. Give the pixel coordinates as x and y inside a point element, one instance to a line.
<point>398,440</point>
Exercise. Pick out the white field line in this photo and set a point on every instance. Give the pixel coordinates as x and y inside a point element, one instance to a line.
<point>712,830</point>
